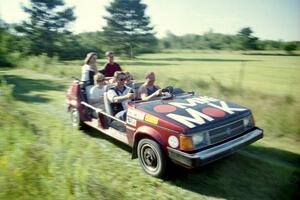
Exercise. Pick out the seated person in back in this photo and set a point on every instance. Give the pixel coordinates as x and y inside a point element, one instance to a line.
<point>110,66</point>
<point>129,80</point>
<point>89,69</point>
<point>119,96</point>
<point>149,90</point>
<point>112,80</point>
<point>95,95</point>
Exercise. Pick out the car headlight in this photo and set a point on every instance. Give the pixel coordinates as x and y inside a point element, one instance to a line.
<point>248,122</point>
<point>201,138</point>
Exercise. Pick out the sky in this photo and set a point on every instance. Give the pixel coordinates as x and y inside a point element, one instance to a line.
<point>269,19</point>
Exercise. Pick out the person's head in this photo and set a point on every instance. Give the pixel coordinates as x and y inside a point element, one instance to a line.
<point>110,56</point>
<point>129,77</point>
<point>150,78</point>
<point>120,78</point>
<point>90,58</point>
<point>99,79</point>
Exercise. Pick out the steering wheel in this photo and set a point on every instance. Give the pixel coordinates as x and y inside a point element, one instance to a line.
<point>168,89</point>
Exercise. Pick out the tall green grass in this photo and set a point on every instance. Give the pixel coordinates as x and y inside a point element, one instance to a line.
<point>42,158</point>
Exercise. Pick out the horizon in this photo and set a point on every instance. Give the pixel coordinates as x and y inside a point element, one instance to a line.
<point>269,19</point>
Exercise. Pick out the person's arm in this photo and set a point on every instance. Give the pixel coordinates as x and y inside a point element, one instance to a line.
<point>84,74</point>
<point>114,98</point>
<point>108,78</point>
<point>144,95</point>
<point>147,98</point>
<point>120,67</point>
<point>104,70</point>
<point>119,99</point>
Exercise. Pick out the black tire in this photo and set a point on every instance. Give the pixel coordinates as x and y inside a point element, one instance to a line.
<point>76,121</point>
<point>152,158</point>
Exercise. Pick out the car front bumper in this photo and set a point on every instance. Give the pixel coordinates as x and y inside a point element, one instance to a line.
<point>192,160</point>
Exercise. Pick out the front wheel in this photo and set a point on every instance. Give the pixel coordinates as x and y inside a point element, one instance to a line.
<point>152,158</point>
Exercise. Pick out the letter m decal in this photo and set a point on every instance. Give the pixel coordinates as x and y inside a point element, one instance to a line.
<point>196,118</point>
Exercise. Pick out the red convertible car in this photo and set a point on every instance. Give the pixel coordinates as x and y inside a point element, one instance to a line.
<point>184,128</point>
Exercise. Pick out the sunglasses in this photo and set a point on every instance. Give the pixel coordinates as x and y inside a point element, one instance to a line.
<point>122,78</point>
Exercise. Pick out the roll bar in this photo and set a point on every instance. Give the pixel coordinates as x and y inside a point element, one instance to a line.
<point>98,110</point>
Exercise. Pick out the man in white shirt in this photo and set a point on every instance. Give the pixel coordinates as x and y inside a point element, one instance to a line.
<point>119,96</point>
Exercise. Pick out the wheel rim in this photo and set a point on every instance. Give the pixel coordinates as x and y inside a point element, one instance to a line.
<point>149,158</point>
<point>75,118</point>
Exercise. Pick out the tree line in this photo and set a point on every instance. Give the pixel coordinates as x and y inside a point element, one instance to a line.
<point>128,32</point>
<point>243,40</point>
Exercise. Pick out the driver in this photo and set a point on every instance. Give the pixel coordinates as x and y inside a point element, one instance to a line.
<point>149,90</point>
<point>119,95</point>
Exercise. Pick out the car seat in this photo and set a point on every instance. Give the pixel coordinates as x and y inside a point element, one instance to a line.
<point>135,88</point>
<point>107,106</point>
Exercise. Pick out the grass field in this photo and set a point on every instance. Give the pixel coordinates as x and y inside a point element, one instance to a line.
<point>42,158</point>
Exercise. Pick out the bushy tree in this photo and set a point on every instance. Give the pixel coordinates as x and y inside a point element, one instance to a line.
<point>4,37</point>
<point>48,23</point>
<point>247,40</point>
<point>290,47</point>
<point>7,44</point>
<point>128,29</point>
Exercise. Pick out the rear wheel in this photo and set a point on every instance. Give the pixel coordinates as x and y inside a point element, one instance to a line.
<point>76,121</point>
<point>152,158</point>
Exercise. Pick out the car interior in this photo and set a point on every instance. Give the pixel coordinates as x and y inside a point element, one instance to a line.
<point>108,110</point>
<point>112,122</point>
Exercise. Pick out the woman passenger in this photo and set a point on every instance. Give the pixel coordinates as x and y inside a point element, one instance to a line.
<point>89,69</point>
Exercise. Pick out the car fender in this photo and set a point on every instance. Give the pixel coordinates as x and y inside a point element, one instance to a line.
<point>146,132</point>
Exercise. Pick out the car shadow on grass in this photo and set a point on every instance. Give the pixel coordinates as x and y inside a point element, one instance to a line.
<point>253,173</point>
<point>98,135</point>
<point>24,86</point>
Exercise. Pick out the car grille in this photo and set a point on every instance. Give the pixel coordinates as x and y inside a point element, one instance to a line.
<point>227,131</point>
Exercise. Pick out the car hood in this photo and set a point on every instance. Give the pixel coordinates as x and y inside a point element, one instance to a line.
<point>193,112</point>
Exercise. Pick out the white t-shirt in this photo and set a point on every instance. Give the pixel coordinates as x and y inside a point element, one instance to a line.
<point>95,96</point>
<point>111,94</point>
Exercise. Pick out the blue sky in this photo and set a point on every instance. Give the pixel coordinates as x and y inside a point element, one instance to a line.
<point>269,19</point>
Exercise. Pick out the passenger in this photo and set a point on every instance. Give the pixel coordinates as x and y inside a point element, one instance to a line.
<point>149,90</point>
<point>96,92</point>
<point>89,69</point>
<point>112,80</point>
<point>119,96</point>
<point>129,80</point>
<point>110,67</point>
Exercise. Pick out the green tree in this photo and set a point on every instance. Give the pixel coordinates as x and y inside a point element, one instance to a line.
<point>48,23</point>
<point>7,44</point>
<point>247,40</point>
<point>128,29</point>
<point>4,37</point>
<point>290,47</point>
